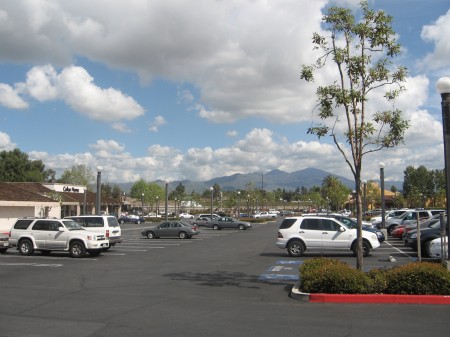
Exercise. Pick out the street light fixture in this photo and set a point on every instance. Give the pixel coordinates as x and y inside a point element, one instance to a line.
<point>99,191</point>
<point>443,88</point>
<point>383,204</point>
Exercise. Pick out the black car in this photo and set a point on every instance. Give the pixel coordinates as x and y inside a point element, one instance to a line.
<point>426,236</point>
<point>351,223</point>
<point>131,219</point>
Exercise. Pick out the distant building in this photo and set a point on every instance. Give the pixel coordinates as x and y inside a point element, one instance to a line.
<point>19,199</point>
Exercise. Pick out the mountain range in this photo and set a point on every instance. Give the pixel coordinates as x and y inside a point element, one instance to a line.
<point>269,181</point>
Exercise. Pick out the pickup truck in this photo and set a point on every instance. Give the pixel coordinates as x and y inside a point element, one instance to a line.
<point>265,215</point>
<point>228,222</point>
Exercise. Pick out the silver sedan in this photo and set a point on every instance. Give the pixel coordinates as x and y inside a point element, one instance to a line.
<point>178,229</point>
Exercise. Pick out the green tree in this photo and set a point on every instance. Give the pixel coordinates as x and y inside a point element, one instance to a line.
<point>362,50</point>
<point>15,166</point>
<point>336,192</point>
<point>78,174</point>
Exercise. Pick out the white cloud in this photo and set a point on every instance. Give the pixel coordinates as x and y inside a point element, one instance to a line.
<point>157,122</point>
<point>121,127</point>
<point>76,88</point>
<point>5,142</point>
<point>437,33</point>
<point>232,133</point>
<point>10,98</point>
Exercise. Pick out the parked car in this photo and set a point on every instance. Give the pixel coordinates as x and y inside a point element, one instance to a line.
<point>265,215</point>
<point>426,236</point>
<point>46,235</point>
<point>200,221</point>
<point>298,234</point>
<point>215,216</point>
<point>228,222</point>
<point>136,219</point>
<point>435,248</point>
<point>352,223</point>
<point>180,229</point>
<point>388,215</point>
<point>103,224</point>
<point>186,216</point>
<point>409,217</point>
<point>4,244</point>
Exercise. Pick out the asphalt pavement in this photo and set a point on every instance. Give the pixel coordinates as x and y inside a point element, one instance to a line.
<point>220,283</point>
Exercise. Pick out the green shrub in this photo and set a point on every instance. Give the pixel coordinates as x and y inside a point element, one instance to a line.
<point>332,276</point>
<point>420,278</point>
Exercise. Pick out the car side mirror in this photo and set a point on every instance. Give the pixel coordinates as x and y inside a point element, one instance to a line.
<point>60,229</point>
<point>342,229</point>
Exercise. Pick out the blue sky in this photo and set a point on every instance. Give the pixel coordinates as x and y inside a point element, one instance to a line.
<point>186,89</point>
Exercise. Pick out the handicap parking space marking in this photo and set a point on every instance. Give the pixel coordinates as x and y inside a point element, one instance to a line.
<point>277,277</point>
<point>282,270</point>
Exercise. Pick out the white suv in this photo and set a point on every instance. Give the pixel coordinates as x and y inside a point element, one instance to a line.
<point>297,234</point>
<point>46,235</point>
<point>104,224</point>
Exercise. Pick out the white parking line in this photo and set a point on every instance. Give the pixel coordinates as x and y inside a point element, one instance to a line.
<point>32,264</point>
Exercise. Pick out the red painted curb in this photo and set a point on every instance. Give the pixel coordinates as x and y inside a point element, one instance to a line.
<point>379,298</point>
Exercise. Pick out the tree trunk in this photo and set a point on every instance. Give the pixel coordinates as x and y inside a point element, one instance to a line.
<point>359,215</point>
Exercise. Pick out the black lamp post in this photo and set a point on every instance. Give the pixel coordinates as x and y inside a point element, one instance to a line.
<point>142,204</point>
<point>99,191</point>
<point>212,198</point>
<point>239,204</point>
<point>364,196</point>
<point>383,204</point>
<point>443,88</point>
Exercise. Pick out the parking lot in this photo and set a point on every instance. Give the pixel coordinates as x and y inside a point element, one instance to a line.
<point>221,283</point>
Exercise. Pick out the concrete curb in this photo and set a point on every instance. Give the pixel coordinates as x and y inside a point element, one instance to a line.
<point>368,298</point>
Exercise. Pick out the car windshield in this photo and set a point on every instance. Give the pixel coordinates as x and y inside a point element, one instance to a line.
<point>72,225</point>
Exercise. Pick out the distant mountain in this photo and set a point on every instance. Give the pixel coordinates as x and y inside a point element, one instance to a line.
<point>270,181</point>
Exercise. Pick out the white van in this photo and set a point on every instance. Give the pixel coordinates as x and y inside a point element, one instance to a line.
<point>105,224</point>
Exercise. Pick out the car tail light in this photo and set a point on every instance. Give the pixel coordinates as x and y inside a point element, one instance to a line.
<point>107,233</point>
<point>280,236</point>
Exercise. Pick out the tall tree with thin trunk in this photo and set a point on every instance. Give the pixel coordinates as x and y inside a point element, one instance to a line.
<point>362,49</point>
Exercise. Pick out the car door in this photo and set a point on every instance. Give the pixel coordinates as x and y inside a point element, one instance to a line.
<point>311,233</point>
<point>56,239</point>
<point>333,237</point>
<point>175,229</point>
<point>163,229</point>
<point>40,231</point>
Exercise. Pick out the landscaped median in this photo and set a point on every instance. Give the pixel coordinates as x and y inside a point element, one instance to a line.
<point>369,298</point>
<point>329,280</point>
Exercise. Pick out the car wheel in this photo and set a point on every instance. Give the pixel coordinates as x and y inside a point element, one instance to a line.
<point>390,229</point>
<point>182,235</point>
<point>295,248</point>
<point>122,222</point>
<point>426,248</point>
<point>150,235</point>
<point>77,249</point>
<point>365,248</point>
<point>216,227</point>
<point>45,252</point>
<point>241,227</point>
<point>138,222</point>
<point>26,247</point>
<point>3,251</point>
